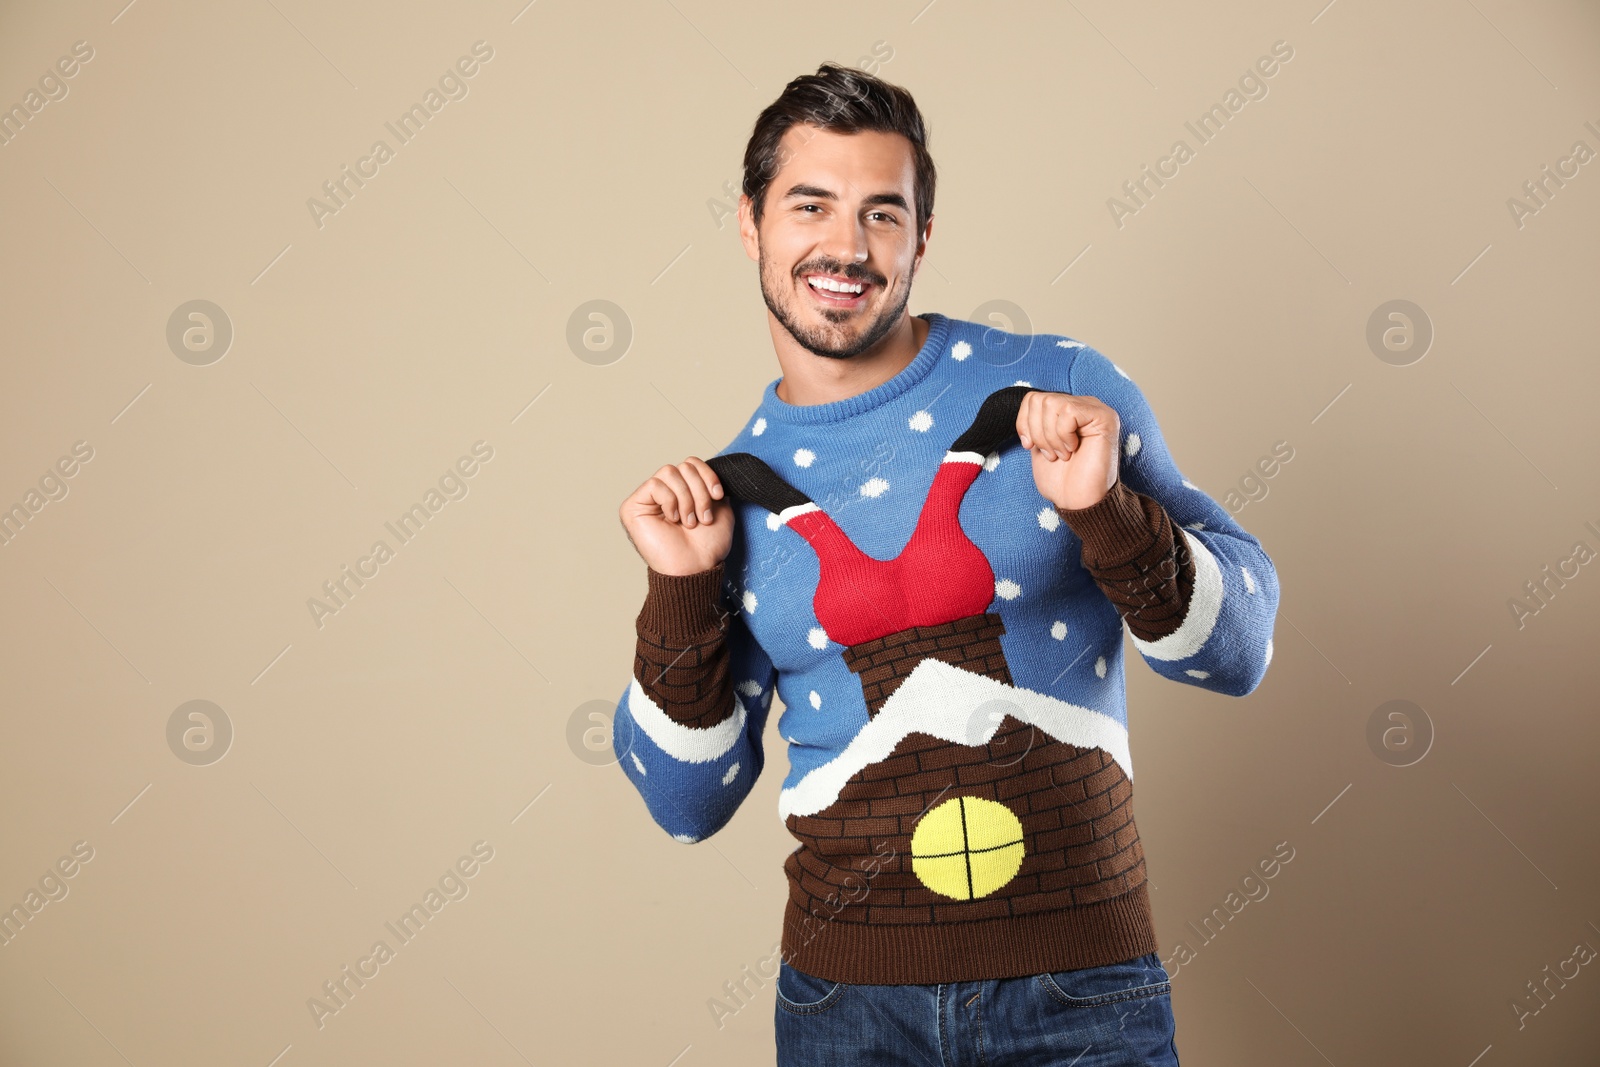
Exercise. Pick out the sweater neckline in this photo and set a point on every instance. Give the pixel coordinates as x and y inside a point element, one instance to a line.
<point>835,410</point>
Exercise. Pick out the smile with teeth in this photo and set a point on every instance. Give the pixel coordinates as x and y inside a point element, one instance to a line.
<point>838,290</point>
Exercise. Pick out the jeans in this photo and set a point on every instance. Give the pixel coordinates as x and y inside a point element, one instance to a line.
<point>1118,1015</point>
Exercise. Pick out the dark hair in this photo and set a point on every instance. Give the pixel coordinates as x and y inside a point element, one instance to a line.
<point>844,100</point>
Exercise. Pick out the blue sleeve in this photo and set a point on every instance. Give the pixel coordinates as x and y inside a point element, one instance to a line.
<point>1225,640</point>
<point>693,779</point>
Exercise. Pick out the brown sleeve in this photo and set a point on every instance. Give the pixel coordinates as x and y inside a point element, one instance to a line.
<point>1137,558</point>
<point>681,657</point>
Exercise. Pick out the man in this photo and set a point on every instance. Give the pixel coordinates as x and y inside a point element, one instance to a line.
<point>929,535</point>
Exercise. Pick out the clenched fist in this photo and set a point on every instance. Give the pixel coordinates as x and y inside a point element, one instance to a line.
<point>1074,442</point>
<point>679,520</point>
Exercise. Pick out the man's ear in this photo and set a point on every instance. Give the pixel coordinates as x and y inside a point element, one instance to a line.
<point>747,227</point>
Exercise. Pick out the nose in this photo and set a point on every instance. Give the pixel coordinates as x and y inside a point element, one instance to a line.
<point>845,239</point>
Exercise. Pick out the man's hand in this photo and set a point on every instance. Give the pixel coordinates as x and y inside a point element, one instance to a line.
<point>1074,442</point>
<point>679,520</point>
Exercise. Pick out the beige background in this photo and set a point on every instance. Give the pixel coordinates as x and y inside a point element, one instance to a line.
<point>439,703</point>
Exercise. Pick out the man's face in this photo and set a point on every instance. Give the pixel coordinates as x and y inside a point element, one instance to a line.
<point>840,211</point>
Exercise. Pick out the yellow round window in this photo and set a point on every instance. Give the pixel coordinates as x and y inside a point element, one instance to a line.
<point>967,847</point>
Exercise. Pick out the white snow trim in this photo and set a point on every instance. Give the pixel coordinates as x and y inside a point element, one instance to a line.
<point>962,457</point>
<point>939,699</point>
<point>685,743</point>
<point>796,509</point>
<point>1205,604</point>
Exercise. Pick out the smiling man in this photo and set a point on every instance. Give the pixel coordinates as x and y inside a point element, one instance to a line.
<point>928,538</point>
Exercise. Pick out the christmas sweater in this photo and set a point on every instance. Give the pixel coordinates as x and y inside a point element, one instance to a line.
<point>948,649</point>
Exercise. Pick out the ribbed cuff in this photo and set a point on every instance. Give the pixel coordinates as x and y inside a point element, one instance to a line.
<point>682,606</point>
<point>1117,529</point>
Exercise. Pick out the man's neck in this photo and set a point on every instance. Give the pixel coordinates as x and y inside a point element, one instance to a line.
<point>812,379</point>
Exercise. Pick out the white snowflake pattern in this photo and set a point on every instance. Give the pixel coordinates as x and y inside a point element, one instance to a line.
<point>1100,667</point>
<point>1019,381</point>
<point>733,772</point>
<point>816,699</point>
<point>804,457</point>
<point>759,428</point>
<point>1006,589</point>
<point>1249,580</point>
<point>1049,519</point>
<point>1269,652</point>
<point>1058,630</point>
<point>750,687</point>
<point>1069,343</point>
<point>1131,445</point>
<point>1120,371</point>
<point>921,422</point>
<point>874,487</point>
<point>1198,674</point>
<point>749,602</point>
<point>637,762</point>
<point>961,350</point>
<point>817,638</point>
<point>687,839</point>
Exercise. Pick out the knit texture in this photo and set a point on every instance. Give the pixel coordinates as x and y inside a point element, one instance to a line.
<point>948,646</point>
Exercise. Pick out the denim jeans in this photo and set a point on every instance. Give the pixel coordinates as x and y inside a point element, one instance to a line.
<point>1118,1015</point>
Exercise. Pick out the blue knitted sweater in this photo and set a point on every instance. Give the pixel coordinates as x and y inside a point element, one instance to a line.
<point>948,649</point>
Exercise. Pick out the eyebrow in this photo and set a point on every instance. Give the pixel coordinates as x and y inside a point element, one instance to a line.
<point>797,192</point>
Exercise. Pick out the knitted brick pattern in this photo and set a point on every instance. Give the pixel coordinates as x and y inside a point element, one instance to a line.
<point>1075,805</point>
<point>971,643</point>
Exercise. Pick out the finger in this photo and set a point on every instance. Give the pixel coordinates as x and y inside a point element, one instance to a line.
<point>697,489</point>
<point>709,476</point>
<point>659,493</point>
<point>1022,421</point>
<point>1111,420</point>
<point>1039,430</point>
<point>711,483</point>
<point>1064,428</point>
<point>680,488</point>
